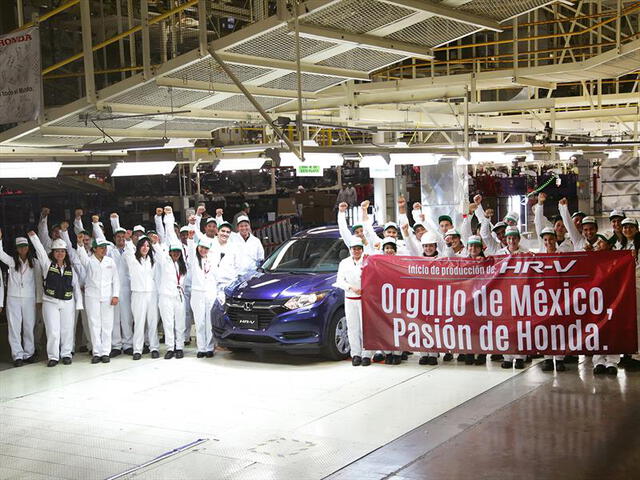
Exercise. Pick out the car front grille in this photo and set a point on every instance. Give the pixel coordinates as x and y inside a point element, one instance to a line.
<point>265,310</point>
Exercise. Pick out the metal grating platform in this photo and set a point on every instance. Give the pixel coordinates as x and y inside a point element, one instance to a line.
<point>242,104</point>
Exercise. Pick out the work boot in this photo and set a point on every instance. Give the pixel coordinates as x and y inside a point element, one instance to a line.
<point>137,356</point>
<point>105,359</point>
<point>432,361</point>
<point>612,370</point>
<point>115,352</point>
<point>209,354</point>
<point>447,357</point>
<point>423,361</point>
<point>519,363</point>
<point>560,366</point>
<point>31,359</point>
<point>547,365</point>
<point>145,349</point>
<point>469,359</point>
<point>405,356</point>
<point>630,364</point>
<point>18,362</point>
<point>52,363</point>
<point>462,357</point>
<point>179,354</point>
<point>506,364</point>
<point>397,359</point>
<point>599,370</point>
<point>128,351</point>
<point>481,359</point>
<point>356,361</point>
<point>200,355</point>
<point>388,360</point>
<point>366,361</point>
<point>66,360</point>
<point>378,357</point>
<point>155,354</point>
<point>168,355</point>
<point>95,359</point>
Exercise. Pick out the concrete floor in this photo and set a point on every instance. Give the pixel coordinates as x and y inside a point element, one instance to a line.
<point>276,416</point>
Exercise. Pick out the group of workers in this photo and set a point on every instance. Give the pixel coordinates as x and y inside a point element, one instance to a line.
<point>174,273</point>
<point>563,233</point>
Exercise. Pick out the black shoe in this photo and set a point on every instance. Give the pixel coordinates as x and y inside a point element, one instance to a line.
<point>137,356</point>
<point>115,352</point>
<point>405,356</point>
<point>506,364</point>
<point>481,359</point>
<point>630,364</point>
<point>612,371</point>
<point>378,357</point>
<point>31,359</point>
<point>447,357</point>
<point>366,361</point>
<point>52,363</point>
<point>155,354</point>
<point>397,359</point>
<point>187,343</point>
<point>145,349</point>
<point>432,360</point>
<point>599,370</point>
<point>469,359</point>
<point>423,361</point>
<point>168,355</point>
<point>571,359</point>
<point>461,357</point>
<point>547,365</point>
<point>128,351</point>
<point>209,354</point>
<point>519,364</point>
<point>200,355</point>
<point>95,359</point>
<point>18,362</point>
<point>356,361</point>
<point>388,360</point>
<point>105,359</point>
<point>497,358</point>
<point>179,354</point>
<point>529,359</point>
<point>66,360</point>
<point>560,366</point>
<point>83,349</point>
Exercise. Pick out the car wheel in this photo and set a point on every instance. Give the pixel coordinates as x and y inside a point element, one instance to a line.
<point>336,340</point>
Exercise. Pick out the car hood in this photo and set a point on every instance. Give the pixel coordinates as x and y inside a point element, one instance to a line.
<point>266,285</point>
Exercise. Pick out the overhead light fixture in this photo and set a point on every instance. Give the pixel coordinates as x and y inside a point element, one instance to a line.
<point>230,164</point>
<point>150,144</point>
<point>567,155</point>
<point>613,153</point>
<point>134,169</point>
<point>415,159</point>
<point>29,169</point>
<point>326,160</point>
<point>373,161</point>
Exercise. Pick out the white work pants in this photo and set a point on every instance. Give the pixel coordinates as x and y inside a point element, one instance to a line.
<point>59,317</point>
<point>21,319</point>
<point>188,314</point>
<point>100,319</point>
<point>353,313</point>
<point>201,304</point>
<point>172,312</point>
<point>122,335</point>
<point>145,313</point>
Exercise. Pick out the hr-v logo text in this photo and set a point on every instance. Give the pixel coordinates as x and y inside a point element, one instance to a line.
<point>537,266</point>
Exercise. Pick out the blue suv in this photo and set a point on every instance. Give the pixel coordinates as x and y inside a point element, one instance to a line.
<point>290,304</point>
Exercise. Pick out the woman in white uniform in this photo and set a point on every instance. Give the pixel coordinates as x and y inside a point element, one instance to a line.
<point>21,301</point>
<point>349,279</point>
<point>60,300</point>
<point>142,265</point>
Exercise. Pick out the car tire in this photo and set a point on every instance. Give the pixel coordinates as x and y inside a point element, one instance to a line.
<point>336,345</point>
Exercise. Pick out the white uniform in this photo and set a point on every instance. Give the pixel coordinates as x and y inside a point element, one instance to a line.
<point>21,306</point>
<point>102,284</point>
<point>250,253</point>
<point>59,315</point>
<point>505,251</point>
<point>541,223</point>
<point>143,299</point>
<point>204,293</point>
<point>579,242</point>
<point>348,279</point>
<point>346,235</point>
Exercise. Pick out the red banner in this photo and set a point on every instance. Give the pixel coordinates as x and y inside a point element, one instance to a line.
<point>573,303</point>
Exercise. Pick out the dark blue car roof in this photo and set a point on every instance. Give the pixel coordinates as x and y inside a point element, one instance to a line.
<point>327,231</point>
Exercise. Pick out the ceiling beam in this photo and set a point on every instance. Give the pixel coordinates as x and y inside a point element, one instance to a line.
<point>440,10</point>
<point>126,132</point>
<point>194,113</point>
<point>228,88</point>
<point>363,41</point>
<point>305,67</point>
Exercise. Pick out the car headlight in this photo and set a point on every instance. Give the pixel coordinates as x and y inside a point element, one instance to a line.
<point>305,300</point>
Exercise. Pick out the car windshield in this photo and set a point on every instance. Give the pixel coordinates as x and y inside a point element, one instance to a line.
<point>307,255</point>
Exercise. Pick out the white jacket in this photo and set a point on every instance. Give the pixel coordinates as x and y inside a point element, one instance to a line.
<point>142,273</point>
<point>22,282</point>
<point>541,223</point>
<point>579,242</point>
<point>349,276</point>
<point>250,252</point>
<point>101,277</point>
<point>203,275</point>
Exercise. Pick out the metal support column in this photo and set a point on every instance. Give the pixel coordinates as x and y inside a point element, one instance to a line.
<point>87,50</point>
<point>121,41</point>
<point>132,38</point>
<point>146,42</point>
<point>20,13</point>
<point>202,27</point>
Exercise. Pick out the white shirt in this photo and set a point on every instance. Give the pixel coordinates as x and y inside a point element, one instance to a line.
<point>505,251</point>
<point>141,273</point>
<point>22,282</point>
<point>101,276</point>
<point>203,273</point>
<point>541,223</point>
<point>250,252</point>
<point>349,276</point>
<point>170,282</point>
<point>225,259</point>
<point>579,242</point>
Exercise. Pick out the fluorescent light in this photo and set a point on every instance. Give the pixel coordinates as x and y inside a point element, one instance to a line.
<point>29,169</point>
<point>566,155</point>
<point>134,169</point>
<point>325,160</point>
<point>230,164</point>
<point>372,161</point>
<point>613,153</point>
<point>415,159</point>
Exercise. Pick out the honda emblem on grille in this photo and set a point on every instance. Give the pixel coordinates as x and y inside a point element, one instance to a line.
<point>248,306</point>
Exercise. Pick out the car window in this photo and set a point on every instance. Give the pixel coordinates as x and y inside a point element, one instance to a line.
<point>313,255</point>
